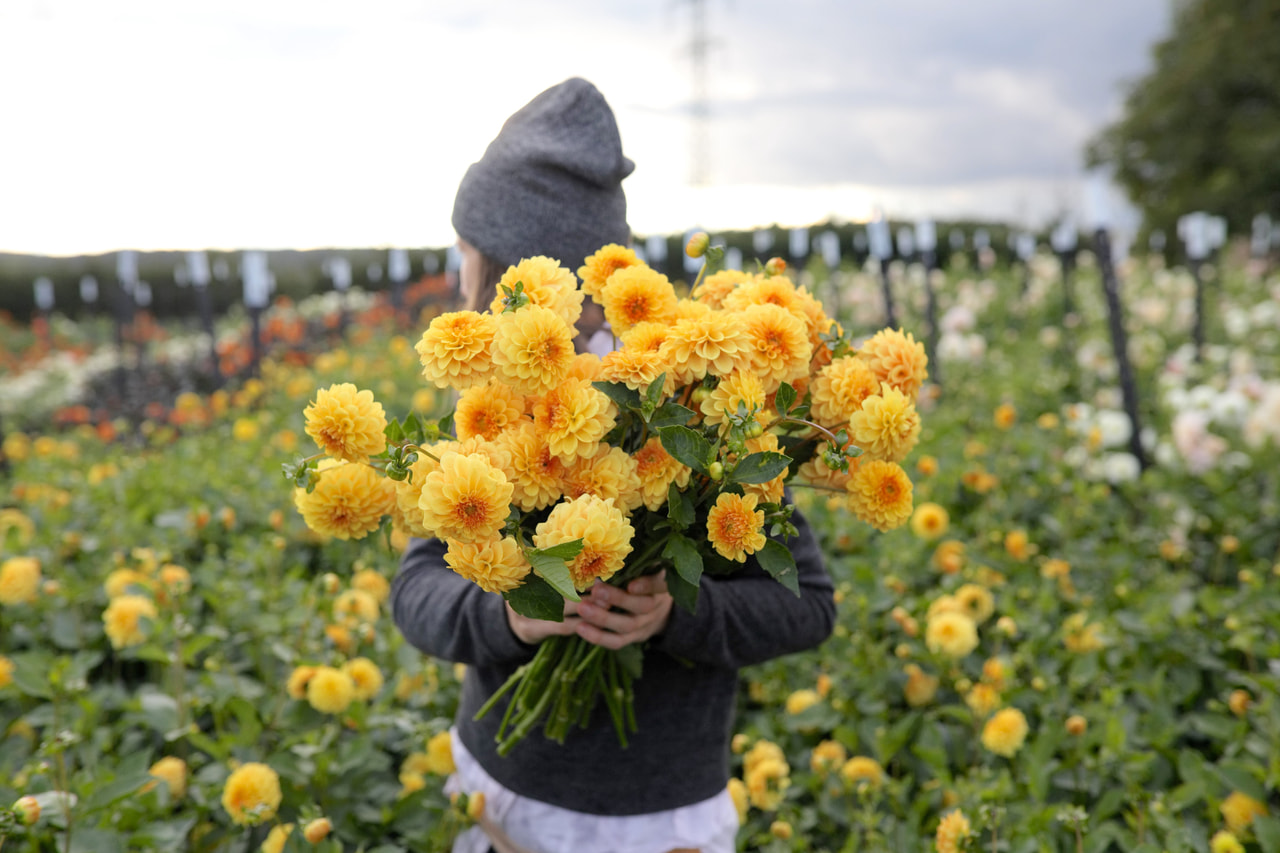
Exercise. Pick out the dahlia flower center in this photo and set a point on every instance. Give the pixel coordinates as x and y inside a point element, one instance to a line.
<point>470,510</point>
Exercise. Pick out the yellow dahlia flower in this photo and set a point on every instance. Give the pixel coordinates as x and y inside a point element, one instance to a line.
<point>735,528</point>
<point>121,581</point>
<point>19,580</point>
<point>1081,636</point>
<point>173,772</point>
<point>815,471</point>
<point>276,838</point>
<point>1005,732</point>
<point>330,690</point>
<point>741,798</point>
<point>467,499</point>
<point>487,410</point>
<point>440,755</point>
<point>609,475</point>
<point>951,634</point>
<point>647,336</point>
<point>840,388</point>
<point>763,751</point>
<point>546,283</point>
<point>861,770</point>
<point>982,699</point>
<point>1224,841</point>
<point>605,533</point>
<point>1239,810</point>
<point>532,349</point>
<point>975,602</point>
<point>348,501</point>
<point>637,294</point>
<point>948,557</point>
<point>880,494</point>
<point>740,387</point>
<point>778,343</point>
<point>536,475</point>
<point>687,309</point>
<point>251,794</point>
<point>802,700</point>
<point>887,426</point>
<point>657,470</point>
<point>896,358</point>
<point>346,423</point>
<point>456,350</point>
<point>827,756</point>
<point>372,582</point>
<point>574,416</point>
<point>296,685</point>
<point>599,267</point>
<point>775,290</point>
<point>635,368</point>
<point>767,783</point>
<point>122,620</point>
<point>715,342</point>
<point>586,366</point>
<point>317,830</point>
<point>497,565</point>
<point>355,607</point>
<point>366,676</point>
<point>953,829</point>
<point>929,521</point>
<point>920,687</point>
<point>717,286</point>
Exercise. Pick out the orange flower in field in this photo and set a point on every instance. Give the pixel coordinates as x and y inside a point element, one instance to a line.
<point>252,794</point>
<point>467,499</point>
<point>636,295</point>
<point>1005,416</point>
<point>609,474</point>
<point>546,283</point>
<point>455,350</point>
<point>929,521</point>
<point>346,423</point>
<point>735,527</point>
<point>536,475</point>
<point>887,426</point>
<point>574,416</point>
<point>657,470</point>
<point>486,410</point>
<point>635,368</point>
<point>740,388</point>
<point>497,565</point>
<point>1017,545</point>
<point>880,494</point>
<point>779,344</point>
<point>348,501</point>
<point>598,268</point>
<point>532,349</point>
<point>1005,733</point>
<point>840,388</point>
<point>715,342</point>
<point>605,533</point>
<point>896,358</point>
<point>716,287</point>
<point>952,832</point>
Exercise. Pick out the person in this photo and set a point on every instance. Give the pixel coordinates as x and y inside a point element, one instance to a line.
<point>550,184</point>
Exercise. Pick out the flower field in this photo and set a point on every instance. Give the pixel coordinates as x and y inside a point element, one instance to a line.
<point>1058,652</point>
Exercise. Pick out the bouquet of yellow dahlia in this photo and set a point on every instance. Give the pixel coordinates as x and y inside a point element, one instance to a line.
<point>670,452</point>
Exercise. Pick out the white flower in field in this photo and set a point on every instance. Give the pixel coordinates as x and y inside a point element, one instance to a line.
<point>959,318</point>
<point>1229,407</point>
<point>1266,315</point>
<point>1199,448</point>
<point>1263,423</point>
<point>1116,428</point>
<point>1120,468</point>
<point>1076,457</point>
<point>1050,337</point>
<point>1108,397</point>
<point>1151,310</point>
<point>1202,397</point>
<point>1236,461</point>
<point>1236,322</point>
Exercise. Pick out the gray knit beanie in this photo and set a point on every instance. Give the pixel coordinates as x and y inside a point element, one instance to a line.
<point>550,183</point>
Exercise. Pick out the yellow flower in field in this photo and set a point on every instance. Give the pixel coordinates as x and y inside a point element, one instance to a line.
<point>536,475</point>
<point>717,286</point>
<point>741,798</point>
<point>1005,732</point>
<point>879,493</point>
<point>637,294</point>
<point>19,580</point>
<point>920,687</point>
<point>953,830</point>
<point>6,672</point>
<point>17,523</point>
<point>767,783</point>
<point>781,830</point>
<point>840,388</point>
<point>827,756</point>
<point>1017,545</point>
<point>982,699</point>
<point>1239,702</point>
<point>657,470</point>
<point>735,528</point>
<point>497,565</point>
<point>778,343</point>
<point>347,423</point>
<point>296,686</point>
<point>861,770</point>
<point>532,349</point>
<point>16,446</point>
<point>348,501</point>
<point>948,557</point>
<point>802,700</point>
<point>896,358</point>
<point>173,772</point>
<point>1081,636</point>
<point>244,429</point>
<point>738,389</point>
<point>121,581</point>
<point>610,474</point>
<point>440,754</point>
<point>994,672</point>
<point>372,582</point>
<point>1225,842</point>
<point>635,368</point>
<point>411,782</point>
<point>123,620</point>
<point>574,417</point>
<point>1076,725</point>
<point>355,607</point>
<point>251,794</point>
<point>174,579</point>
<point>456,350</point>
<point>467,499</point>
<point>929,521</point>
<point>887,426</point>
<point>366,676</point>
<point>605,533</point>
<point>330,690</point>
<point>1005,416</point>
<point>487,409</point>
<point>546,283</point>
<point>927,465</point>
<point>763,751</point>
<point>1239,810</point>
<point>975,602</point>
<point>757,290</point>
<point>599,267</point>
<point>951,634</point>
<point>647,336</point>
<point>277,838</point>
<point>714,342</point>
<point>317,830</point>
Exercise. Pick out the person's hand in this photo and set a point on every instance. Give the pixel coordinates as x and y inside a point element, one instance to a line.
<point>612,617</point>
<point>534,631</point>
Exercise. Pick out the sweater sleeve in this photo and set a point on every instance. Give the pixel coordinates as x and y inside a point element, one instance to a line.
<point>449,617</point>
<point>748,617</point>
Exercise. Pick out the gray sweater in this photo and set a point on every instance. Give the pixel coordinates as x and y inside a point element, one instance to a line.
<point>684,702</point>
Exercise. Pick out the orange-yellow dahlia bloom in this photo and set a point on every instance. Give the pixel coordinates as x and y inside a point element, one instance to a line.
<point>536,475</point>
<point>953,829</point>
<point>605,533</point>
<point>716,342</point>
<point>574,416</point>
<point>880,494</point>
<point>123,620</point>
<point>735,528</point>
<point>366,676</point>
<point>896,358</point>
<point>599,267</point>
<point>951,633</point>
<point>1005,732</point>
<point>497,565</point>
<point>778,344</point>
<point>635,295</point>
<point>840,388</point>
<point>717,286</point>
<point>532,349</point>
<point>456,349</point>
<point>740,388</point>
<point>468,499</point>
<point>19,580</point>
<point>657,470</point>
<point>346,423</point>
<point>610,473</point>
<point>486,410</point>
<point>251,794</point>
<point>546,283</point>
<point>635,368</point>
<point>348,501</point>
<point>330,690</point>
<point>887,426</point>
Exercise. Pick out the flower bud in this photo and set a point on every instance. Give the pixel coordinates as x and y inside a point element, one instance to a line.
<point>330,583</point>
<point>475,805</point>
<point>27,810</point>
<point>1076,725</point>
<point>775,266</point>
<point>740,743</point>
<point>697,245</point>
<point>1239,702</point>
<point>780,829</point>
<point>715,471</point>
<point>317,830</point>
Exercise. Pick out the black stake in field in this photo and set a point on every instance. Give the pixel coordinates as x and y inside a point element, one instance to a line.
<point>1194,231</point>
<point>927,244</point>
<point>1120,344</point>
<point>882,249</point>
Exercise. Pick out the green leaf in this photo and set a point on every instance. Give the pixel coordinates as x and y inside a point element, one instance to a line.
<point>536,599</point>
<point>680,508</point>
<point>760,467</point>
<point>684,594</point>
<point>31,675</point>
<point>394,432</point>
<point>687,446</point>
<point>783,399</point>
<point>564,551</point>
<point>683,554</point>
<point>776,559</point>
<point>555,571</point>
<point>1267,830</point>
<point>654,392</point>
<point>670,414</point>
<point>114,791</point>
<point>619,393</point>
<point>204,743</point>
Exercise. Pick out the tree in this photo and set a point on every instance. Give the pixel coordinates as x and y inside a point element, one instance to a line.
<point>1202,130</point>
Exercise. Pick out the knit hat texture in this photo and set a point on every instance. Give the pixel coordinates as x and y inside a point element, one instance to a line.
<point>550,183</point>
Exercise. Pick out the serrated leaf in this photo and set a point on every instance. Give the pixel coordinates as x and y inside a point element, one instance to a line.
<point>565,550</point>
<point>555,572</point>
<point>760,467</point>
<point>654,392</point>
<point>536,599</point>
<point>619,393</point>
<point>394,432</point>
<point>670,414</point>
<point>684,594</point>
<point>680,507</point>
<point>687,446</point>
<point>776,559</point>
<point>783,399</point>
<point>684,555</point>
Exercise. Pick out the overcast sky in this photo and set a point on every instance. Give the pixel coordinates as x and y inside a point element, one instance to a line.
<point>305,123</point>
